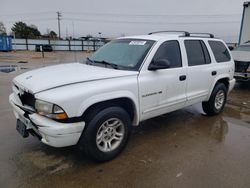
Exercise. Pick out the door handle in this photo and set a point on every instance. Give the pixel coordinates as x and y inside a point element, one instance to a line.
<point>214,73</point>
<point>182,77</point>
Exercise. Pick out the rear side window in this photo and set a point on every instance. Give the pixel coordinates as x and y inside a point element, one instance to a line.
<point>206,54</point>
<point>220,51</point>
<point>169,50</point>
<point>197,52</point>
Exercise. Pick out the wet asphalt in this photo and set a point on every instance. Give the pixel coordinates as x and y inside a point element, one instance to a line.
<point>184,148</point>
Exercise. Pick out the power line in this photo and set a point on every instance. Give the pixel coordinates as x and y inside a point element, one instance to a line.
<point>59,14</point>
<point>148,22</point>
<point>116,14</point>
<point>59,18</point>
<point>150,15</point>
<point>28,13</point>
<point>124,15</point>
<point>30,20</point>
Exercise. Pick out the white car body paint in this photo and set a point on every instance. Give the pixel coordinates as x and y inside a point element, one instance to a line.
<point>75,87</point>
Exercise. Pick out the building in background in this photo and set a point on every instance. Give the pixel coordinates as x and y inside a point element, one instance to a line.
<point>245,24</point>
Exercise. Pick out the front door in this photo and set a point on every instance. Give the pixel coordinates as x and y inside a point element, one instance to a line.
<point>163,90</point>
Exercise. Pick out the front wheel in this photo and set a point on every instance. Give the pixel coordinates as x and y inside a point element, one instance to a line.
<point>106,134</point>
<point>217,100</point>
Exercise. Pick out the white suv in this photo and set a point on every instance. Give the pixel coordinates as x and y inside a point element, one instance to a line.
<point>127,81</point>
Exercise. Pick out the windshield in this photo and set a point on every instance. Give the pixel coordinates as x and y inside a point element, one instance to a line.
<point>243,48</point>
<point>127,54</point>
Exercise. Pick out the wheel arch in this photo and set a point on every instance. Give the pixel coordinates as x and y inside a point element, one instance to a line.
<point>98,103</point>
<point>225,81</point>
<point>222,79</point>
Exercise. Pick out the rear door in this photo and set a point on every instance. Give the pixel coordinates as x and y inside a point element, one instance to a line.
<point>224,63</point>
<point>200,71</point>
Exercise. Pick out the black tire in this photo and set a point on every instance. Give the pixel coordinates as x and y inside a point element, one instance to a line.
<point>209,107</point>
<point>88,141</point>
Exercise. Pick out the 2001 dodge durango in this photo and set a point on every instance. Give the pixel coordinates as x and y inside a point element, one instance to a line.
<point>127,81</point>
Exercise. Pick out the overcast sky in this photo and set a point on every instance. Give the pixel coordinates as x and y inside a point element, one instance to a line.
<point>114,18</point>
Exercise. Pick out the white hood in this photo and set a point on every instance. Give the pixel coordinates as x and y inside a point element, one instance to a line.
<point>55,76</point>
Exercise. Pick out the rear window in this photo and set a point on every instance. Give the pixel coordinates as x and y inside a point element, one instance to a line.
<point>220,51</point>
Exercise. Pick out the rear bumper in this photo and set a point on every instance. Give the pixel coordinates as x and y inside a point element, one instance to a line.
<point>241,76</point>
<point>52,133</point>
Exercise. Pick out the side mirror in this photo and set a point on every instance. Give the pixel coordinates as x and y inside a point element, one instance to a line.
<point>230,48</point>
<point>159,64</point>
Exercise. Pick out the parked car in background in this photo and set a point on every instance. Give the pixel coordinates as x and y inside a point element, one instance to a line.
<point>47,48</point>
<point>127,81</point>
<point>44,47</point>
<point>241,55</point>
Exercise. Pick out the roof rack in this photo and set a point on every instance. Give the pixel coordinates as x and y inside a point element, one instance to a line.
<point>184,33</point>
<point>205,35</point>
<point>246,4</point>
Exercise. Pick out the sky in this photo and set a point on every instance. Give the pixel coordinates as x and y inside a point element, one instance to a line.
<point>114,18</point>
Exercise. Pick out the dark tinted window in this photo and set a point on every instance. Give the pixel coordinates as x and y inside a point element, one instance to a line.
<point>206,54</point>
<point>220,51</point>
<point>197,52</point>
<point>170,50</point>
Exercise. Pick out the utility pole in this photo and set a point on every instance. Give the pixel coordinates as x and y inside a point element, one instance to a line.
<point>59,15</point>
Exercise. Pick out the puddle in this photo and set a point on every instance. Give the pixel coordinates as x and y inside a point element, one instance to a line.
<point>42,161</point>
<point>22,62</point>
<point>182,144</point>
<point>11,68</point>
<point>8,68</point>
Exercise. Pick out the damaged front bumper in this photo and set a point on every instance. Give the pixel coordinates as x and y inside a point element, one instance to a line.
<point>50,132</point>
<point>242,76</point>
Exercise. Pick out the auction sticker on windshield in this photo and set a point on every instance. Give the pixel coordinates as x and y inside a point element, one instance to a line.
<point>137,42</point>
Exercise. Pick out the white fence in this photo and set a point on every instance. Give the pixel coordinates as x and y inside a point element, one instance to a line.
<point>62,45</point>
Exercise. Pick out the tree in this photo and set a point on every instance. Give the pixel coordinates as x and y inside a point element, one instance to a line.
<point>2,29</point>
<point>33,32</point>
<point>88,36</point>
<point>22,30</point>
<point>52,34</point>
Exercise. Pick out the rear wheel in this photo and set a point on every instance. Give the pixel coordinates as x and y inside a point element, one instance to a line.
<point>106,134</point>
<point>217,100</point>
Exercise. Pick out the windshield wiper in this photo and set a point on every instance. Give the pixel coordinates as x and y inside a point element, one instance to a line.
<point>115,66</point>
<point>91,61</point>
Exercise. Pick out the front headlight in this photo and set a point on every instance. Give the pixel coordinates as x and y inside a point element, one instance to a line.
<point>50,110</point>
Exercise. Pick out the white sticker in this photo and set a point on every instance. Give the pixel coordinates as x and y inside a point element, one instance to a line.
<point>137,42</point>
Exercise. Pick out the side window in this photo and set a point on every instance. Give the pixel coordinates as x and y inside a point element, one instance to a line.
<point>206,53</point>
<point>197,52</point>
<point>169,50</point>
<point>220,52</point>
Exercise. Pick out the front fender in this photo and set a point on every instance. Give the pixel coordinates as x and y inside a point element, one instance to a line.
<point>109,96</point>
<point>76,98</point>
